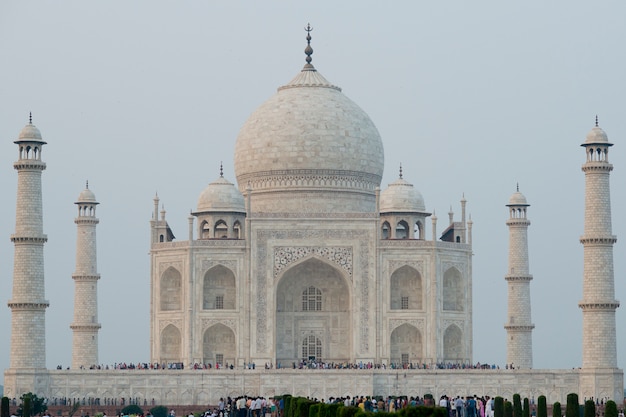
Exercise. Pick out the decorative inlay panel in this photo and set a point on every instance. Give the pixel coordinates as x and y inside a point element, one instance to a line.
<point>286,255</point>
<point>209,263</point>
<point>178,265</point>
<point>230,323</point>
<point>394,265</point>
<point>178,323</point>
<point>395,323</point>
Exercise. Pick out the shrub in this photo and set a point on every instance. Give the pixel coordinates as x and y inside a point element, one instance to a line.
<point>349,411</point>
<point>131,409</point>
<point>4,407</point>
<point>508,409</point>
<point>26,407</point>
<point>517,405</point>
<point>498,407</point>
<point>610,409</point>
<point>159,411</point>
<point>556,410</point>
<point>590,408</point>
<point>573,407</point>
<point>314,410</point>
<point>542,406</point>
<point>526,410</point>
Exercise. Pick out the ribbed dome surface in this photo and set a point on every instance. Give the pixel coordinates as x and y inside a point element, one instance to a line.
<point>221,196</point>
<point>518,199</point>
<point>309,137</point>
<point>401,196</point>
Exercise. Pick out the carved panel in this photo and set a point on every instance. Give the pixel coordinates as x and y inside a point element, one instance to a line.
<point>176,264</point>
<point>417,323</point>
<point>210,263</point>
<point>286,255</point>
<point>230,323</point>
<point>178,323</point>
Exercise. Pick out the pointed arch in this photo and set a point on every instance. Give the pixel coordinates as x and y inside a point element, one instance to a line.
<point>386,230</point>
<point>453,344</point>
<point>219,289</point>
<point>402,230</point>
<point>237,229</point>
<point>218,345</point>
<point>205,230</point>
<point>327,291</point>
<point>170,294</point>
<point>406,345</point>
<point>171,344</point>
<point>453,290</point>
<point>405,289</point>
<point>220,231</point>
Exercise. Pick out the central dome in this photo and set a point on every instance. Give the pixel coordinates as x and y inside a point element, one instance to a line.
<point>306,144</point>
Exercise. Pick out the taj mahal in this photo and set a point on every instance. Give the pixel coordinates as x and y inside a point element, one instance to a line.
<point>304,257</point>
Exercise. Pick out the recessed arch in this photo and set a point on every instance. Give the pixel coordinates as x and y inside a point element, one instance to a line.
<point>219,289</point>
<point>171,344</point>
<point>170,294</point>
<point>328,291</point>
<point>453,290</point>
<point>402,230</point>
<point>406,345</point>
<point>453,344</point>
<point>405,289</point>
<point>220,230</point>
<point>218,345</point>
<point>386,230</point>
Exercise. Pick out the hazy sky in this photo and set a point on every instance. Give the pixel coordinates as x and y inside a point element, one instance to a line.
<point>141,97</point>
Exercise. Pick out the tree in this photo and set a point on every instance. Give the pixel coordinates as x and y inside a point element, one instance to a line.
<point>517,406</point>
<point>36,405</point>
<point>610,409</point>
<point>526,410</point>
<point>590,408</point>
<point>159,411</point>
<point>132,409</point>
<point>4,407</point>
<point>556,410</point>
<point>542,407</point>
<point>508,409</point>
<point>573,407</point>
<point>498,407</point>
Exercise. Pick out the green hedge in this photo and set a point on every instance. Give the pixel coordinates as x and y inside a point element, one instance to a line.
<point>556,410</point>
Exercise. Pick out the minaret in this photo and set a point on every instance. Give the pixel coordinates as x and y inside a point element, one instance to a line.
<point>598,304</point>
<point>85,326</point>
<point>28,305</point>
<point>519,346</point>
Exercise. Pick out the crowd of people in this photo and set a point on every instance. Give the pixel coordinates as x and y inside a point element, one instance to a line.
<point>303,364</point>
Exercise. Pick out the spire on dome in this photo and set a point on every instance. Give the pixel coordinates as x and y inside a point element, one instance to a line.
<point>596,120</point>
<point>400,170</point>
<point>221,170</point>
<point>308,50</point>
<point>518,187</point>
<point>30,118</point>
<point>87,184</point>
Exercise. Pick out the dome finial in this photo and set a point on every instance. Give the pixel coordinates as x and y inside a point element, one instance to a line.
<point>30,118</point>
<point>518,187</point>
<point>87,184</point>
<point>596,120</point>
<point>400,170</point>
<point>221,170</point>
<point>308,50</point>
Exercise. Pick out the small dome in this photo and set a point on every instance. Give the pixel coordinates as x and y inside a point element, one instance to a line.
<point>596,136</point>
<point>30,133</point>
<point>401,196</point>
<point>219,196</point>
<point>86,196</point>
<point>517,199</point>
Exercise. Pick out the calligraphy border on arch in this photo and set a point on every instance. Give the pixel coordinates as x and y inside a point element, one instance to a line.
<point>362,258</point>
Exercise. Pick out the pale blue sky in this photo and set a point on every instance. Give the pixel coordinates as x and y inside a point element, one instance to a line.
<point>471,97</point>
